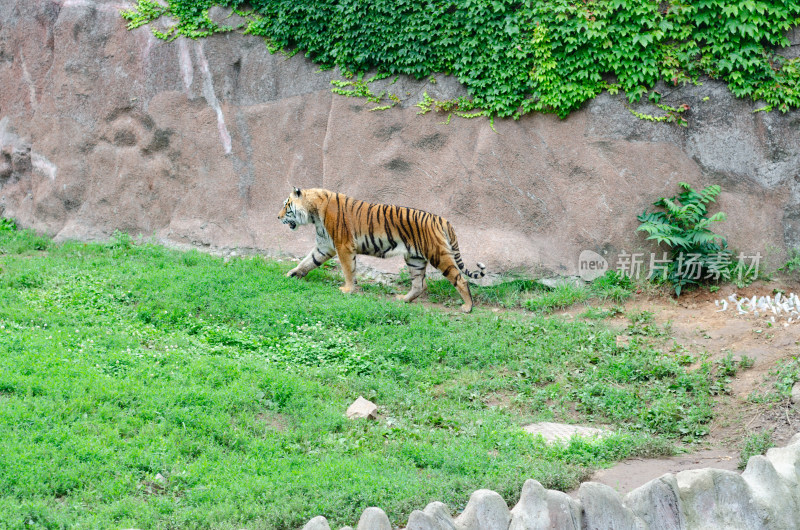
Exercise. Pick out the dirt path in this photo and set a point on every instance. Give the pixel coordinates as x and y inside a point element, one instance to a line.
<point>699,328</point>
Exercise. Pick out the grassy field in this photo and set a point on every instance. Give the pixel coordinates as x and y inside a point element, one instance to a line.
<point>150,388</point>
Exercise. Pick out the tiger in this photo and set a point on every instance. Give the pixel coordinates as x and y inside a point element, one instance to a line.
<point>348,227</point>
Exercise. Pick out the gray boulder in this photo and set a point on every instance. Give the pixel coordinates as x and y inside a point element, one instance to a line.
<point>374,519</point>
<point>539,508</point>
<point>441,514</point>
<point>786,460</point>
<point>317,523</point>
<point>419,520</point>
<point>778,497</point>
<point>603,509</point>
<point>486,510</point>
<point>658,503</point>
<point>719,499</point>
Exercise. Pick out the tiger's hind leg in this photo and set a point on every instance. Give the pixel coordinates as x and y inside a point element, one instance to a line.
<point>450,270</point>
<point>416,269</point>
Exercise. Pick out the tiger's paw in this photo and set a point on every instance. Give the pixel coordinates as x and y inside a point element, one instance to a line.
<point>347,289</point>
<point>295,273</point>
<point>466,308</point>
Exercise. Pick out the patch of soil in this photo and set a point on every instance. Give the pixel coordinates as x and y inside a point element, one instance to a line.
<point>274,421</point>
<point>697,326</point>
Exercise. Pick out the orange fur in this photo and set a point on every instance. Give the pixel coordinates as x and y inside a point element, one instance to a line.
<point>347,227</point>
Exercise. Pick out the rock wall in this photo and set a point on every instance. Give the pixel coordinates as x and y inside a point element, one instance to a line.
<point>765,497</point>
<point>199,142</point>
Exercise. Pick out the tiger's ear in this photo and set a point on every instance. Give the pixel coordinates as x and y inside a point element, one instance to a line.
<point>297,192</point>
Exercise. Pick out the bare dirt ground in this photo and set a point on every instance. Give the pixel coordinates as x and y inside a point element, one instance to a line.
<point>697,325</point>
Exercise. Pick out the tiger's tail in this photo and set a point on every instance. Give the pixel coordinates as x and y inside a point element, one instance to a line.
<point>451,235</point>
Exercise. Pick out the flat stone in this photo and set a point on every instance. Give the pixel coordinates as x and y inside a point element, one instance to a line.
<point>362,408</point>
<point>552,432</point>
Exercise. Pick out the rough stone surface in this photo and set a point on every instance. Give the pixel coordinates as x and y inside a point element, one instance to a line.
<point>486,510</point>
<point>795,394</point>
<point>317,523</point>
<point>374,519</point>
<point>539,508</point>
<point>658,504</point>
<point>779,497</point>
<point>719,499</point>
<point>199,142</point>
<point>421,521</point>
<point>565,512</point>
<point>603,509</point>
<point>441,514</point>
<point>786,460</point>
<point>362,409</point>
<point>531,511</point>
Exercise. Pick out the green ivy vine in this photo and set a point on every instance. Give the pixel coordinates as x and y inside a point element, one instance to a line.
<point>516,57</point>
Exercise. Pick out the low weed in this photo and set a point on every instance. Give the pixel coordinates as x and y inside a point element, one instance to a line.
<point>643,323</point>
<point>8,225</point>
<point>779,382</point>
<point>792,263</point>
<point>755,444</point>
<point>613,286</point>
<point>601,313</point>
<point>562,296</point>
<point>16,241</point>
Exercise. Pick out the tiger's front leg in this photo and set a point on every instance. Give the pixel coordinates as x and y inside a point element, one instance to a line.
<point>315,258</point>
<point>347,259</point>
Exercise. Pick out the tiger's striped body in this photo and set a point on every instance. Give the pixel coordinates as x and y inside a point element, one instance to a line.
<point>347,227</point>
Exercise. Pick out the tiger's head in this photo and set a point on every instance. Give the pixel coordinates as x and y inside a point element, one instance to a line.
<point>294,213</point>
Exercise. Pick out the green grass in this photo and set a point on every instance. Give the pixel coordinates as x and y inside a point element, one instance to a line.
<point>122,361</point>
<point>562,296</point>
<point>533,295</point>
<point>755,444</point>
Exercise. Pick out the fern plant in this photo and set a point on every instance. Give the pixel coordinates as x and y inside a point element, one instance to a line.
<point>696,253</point>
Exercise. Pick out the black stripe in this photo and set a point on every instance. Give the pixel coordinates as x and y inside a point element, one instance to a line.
<point>402,227</point>
<point>413,217</point>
